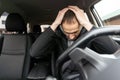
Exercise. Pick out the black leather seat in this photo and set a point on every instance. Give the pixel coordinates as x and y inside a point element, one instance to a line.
<point>15,58</point>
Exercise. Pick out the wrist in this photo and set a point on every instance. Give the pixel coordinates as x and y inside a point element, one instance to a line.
<point>54,26</point>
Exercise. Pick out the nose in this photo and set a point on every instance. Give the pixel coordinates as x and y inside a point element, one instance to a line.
<point>71,36</point>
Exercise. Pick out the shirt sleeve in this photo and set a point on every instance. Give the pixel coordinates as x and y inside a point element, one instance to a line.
<point>42,43</point>
<point>104,44</point>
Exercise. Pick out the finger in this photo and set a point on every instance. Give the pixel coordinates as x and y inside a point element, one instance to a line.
<point>75,8</point>
<point>60,15</point>
<point>72,9</point>
<point>75,11</point>
<point>72,6</point>
<point>64,10</point>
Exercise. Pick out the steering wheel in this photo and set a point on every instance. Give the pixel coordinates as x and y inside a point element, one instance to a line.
<point>82,43</point>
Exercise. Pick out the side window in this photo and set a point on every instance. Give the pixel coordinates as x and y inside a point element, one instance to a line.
<point>109,11</point>
<point>2,21</point>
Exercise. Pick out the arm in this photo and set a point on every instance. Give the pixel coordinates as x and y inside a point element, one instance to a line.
<point>46,41</point>
<point>105,45</point>
<point>42,43</point>
<point>58,19</point>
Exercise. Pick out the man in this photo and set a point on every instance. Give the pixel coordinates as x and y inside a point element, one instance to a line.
<point>69,24</point>
<point>73,24</point>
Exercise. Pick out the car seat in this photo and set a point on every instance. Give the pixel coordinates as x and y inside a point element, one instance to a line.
<point>15,58</point>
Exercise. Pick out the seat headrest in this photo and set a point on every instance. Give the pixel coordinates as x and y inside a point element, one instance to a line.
<point>36,29</point>
<point>15,22</point>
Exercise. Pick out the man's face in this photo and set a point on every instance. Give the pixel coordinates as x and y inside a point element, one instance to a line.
<point>71,30</point>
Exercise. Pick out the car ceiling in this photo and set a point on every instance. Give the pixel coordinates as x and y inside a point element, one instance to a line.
<point>45,11</point>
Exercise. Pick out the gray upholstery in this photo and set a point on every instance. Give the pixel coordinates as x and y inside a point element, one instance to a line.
<point>15,58</point>
<point>14,44</point>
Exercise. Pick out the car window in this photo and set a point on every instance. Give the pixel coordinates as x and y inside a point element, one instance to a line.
<point>2,21</point>
<point>109,14</point>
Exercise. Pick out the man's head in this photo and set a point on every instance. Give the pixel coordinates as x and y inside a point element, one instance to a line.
<point>70,25</point>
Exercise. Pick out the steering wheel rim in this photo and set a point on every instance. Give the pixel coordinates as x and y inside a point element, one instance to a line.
<point>83,41</point>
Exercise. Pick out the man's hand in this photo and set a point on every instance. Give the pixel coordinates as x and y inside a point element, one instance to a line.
<point>81,17</point>
<point>58,19</point>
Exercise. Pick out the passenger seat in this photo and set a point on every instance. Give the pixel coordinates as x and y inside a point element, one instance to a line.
<point>15,58</point>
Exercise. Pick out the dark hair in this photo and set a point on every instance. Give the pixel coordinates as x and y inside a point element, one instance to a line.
<point>68,17</point>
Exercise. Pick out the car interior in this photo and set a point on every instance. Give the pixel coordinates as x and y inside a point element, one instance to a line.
<point>22,20</point>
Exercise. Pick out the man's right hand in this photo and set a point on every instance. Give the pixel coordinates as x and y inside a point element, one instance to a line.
<point>58,19</point>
